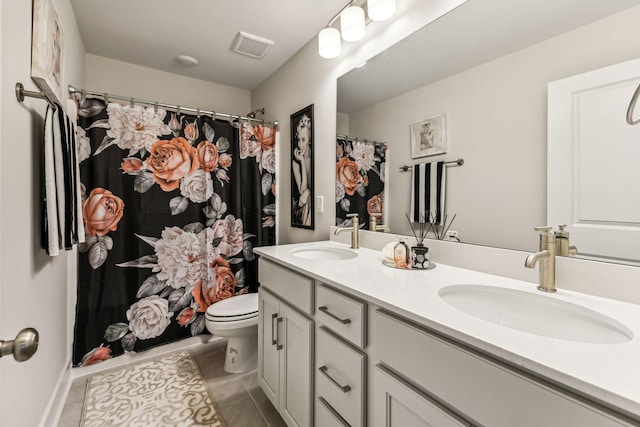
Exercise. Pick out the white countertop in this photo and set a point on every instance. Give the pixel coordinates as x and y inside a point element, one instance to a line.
<point>607,372</point>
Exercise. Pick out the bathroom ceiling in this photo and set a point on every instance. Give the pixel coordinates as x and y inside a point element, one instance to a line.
<point>152,33</point>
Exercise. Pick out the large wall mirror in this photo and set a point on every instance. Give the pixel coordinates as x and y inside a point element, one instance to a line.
<point>485,66</point>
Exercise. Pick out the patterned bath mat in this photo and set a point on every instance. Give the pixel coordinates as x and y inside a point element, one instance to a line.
<point>168,391</point>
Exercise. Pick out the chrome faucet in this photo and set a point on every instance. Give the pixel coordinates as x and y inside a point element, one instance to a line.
<point>355,226</point>
<point>373,223</point>
<point>546,257</point>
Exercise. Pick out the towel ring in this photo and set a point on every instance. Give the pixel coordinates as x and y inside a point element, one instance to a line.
<point>632,105</point>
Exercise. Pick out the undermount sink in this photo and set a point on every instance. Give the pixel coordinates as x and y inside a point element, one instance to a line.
<point>321,253</point>
<point>536,314</point>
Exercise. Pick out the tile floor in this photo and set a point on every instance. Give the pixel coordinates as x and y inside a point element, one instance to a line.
<point>240,400</point>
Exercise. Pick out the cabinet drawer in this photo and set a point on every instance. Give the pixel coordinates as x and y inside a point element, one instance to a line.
<point>326,416</point>
<point>397,404</point>
<point>340,377</point>
<point>479,388</point>
<point>294,288</point>
<point>342,314</point>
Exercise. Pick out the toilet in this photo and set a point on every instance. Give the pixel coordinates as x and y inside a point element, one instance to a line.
<point>236,318</point>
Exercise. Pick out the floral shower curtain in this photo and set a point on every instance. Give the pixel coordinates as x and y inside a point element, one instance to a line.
<point>359,180</point>
<point>173,205</point>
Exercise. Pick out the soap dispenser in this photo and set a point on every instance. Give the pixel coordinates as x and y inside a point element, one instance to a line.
<point>401,254</point>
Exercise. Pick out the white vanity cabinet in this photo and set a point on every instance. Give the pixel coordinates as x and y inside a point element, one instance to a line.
<point>469,385</point>
<point>285,343</point>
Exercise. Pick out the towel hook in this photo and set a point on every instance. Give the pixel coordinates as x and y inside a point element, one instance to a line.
<point>632,105</point>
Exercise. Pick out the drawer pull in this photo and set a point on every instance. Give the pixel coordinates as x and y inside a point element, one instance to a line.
<point>274,338</point>
<point>333,412</point>
<point>344,388</point>
<point>278,321</point>
<point>326,311</point>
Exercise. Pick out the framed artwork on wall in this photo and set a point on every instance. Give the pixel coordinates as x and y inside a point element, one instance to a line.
<point>429,137</point>
<point>302,193</point>
<point>47,49</point>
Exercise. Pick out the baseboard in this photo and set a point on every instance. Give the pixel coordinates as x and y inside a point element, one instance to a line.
<point>54,408</point>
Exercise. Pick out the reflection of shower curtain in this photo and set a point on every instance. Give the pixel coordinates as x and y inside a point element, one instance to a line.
<point>359,180</point>
<point>173,206</point>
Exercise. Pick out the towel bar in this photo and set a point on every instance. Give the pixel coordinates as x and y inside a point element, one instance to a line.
<point>458,162</point>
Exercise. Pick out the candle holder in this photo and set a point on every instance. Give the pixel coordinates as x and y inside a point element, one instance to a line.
<point>420,257</point>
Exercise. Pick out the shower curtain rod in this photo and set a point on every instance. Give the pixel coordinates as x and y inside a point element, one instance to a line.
<point>177,108</point>
<point>355,138</point>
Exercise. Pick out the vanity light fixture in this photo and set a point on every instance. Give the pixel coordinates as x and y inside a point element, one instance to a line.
<point>380,10</point>
<point>352,24</point>
<point>329,43</point>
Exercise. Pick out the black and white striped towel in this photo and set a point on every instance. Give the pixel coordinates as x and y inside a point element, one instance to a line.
<point>428,190</point>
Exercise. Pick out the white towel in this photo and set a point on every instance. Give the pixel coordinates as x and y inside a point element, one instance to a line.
<point>428,191</point>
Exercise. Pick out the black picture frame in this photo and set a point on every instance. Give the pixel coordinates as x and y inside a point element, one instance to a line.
<point>302,185</point>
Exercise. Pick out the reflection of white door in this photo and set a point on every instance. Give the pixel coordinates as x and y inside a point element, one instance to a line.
<point>593,177</point>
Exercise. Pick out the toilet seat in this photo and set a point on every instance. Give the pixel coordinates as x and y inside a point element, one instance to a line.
<point>234,309</point>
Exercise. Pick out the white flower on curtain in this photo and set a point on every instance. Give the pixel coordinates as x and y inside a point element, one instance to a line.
<point>135,128</point>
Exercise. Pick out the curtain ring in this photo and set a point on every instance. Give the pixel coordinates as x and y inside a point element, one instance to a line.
<point>155,107</point>
<point>106,98</point>
<point>132,102</point>
<point>213,115</point>
<point>198,113</point>
<point>178,110</point>
<point>83,95</point>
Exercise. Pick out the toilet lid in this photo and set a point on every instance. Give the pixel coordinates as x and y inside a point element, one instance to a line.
<point>234,308</point>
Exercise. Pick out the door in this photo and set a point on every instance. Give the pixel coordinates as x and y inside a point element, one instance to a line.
<point>295,364</point>
<point>593,176</point>
<point>269,326</point>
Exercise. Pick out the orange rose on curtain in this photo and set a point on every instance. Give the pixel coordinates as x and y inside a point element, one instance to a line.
<point>101,212</point>
<point>208,156</point>
<point>171,161</point>
<point>376,204</point>
<point>348,175</point>
<point>223,287</point>
<point>265,135</point>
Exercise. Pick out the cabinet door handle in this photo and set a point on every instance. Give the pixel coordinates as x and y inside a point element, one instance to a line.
<point>274,338</point>
<point>326,311</point>
<point>333,412</point>
<point>344,388</point>
<point>278,321</point>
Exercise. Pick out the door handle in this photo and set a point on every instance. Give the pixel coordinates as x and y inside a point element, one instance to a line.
<point>326,311</point>
<point>278,321</point>
<point>344,388</point>
<point>23,346</point>
<point>274,341</point>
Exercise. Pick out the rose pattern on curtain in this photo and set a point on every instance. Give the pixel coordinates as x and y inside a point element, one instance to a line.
<point>360,180</point>
<point>173,205</point>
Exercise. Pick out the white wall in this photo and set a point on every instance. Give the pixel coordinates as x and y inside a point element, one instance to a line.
<point>497,121</point>
<point>33,287</point>
<point>121,78</point>
<point>309,79</point>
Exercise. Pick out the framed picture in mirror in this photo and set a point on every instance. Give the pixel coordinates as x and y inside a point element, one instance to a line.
<point>429,137</point>
<point>302,193</point>
<point>47,50</point>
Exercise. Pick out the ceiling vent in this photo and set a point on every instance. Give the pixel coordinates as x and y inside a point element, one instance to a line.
<point>250,45</point>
